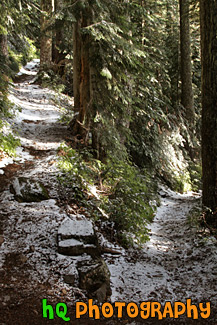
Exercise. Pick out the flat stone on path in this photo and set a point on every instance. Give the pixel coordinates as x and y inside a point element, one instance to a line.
<point>73,247</point>
<point>78,228</point>
<point>77,236</point>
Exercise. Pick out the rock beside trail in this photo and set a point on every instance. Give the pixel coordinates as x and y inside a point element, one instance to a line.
<point>80,228</point>
<point>77,236</point>
<point>28,190</point>
<point>94,277</point>
<point>73,247</point>
<point>69,278</point>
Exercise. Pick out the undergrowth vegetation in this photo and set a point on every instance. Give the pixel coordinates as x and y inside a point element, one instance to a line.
<point>117,191</point>
<point>8,141</point>
<point>197,219</point>
<point>20,51</point>
<point>174,166</point>
<point>8,144</point>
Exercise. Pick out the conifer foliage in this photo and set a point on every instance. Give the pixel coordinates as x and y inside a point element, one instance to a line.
<point>110,65</point>
<point>133,68</point>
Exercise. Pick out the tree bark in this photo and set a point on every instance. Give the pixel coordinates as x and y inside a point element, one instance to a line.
<point>58,43</point>
<point>85,76</point>
<point>187,99</point>
<point>46,34</point>
<point>4,62</point>
<point>172,50</point>
<point>4,45</point>
<point>76,64</point>
<point>81,75</point>
<point>208,14</point>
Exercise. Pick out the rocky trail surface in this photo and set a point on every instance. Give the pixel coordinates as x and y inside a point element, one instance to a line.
<point>36,243</point>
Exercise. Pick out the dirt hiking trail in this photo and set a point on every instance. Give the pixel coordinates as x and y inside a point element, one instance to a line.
<point>177,263</point>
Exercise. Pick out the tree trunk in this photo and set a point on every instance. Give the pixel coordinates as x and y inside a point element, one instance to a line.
<point>46,34</point>
<point>172,50</point>
<point>85,86</point>
<point>4,45</point>
<point>81,75</point>
<point>58,43</point>
<point>4,64</point>
<point>76,64</point>
<point>209,105</point>
<point>187,99</point>
<point>84,77</point>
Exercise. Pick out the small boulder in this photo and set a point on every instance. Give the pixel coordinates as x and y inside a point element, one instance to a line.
<point>94,277</point>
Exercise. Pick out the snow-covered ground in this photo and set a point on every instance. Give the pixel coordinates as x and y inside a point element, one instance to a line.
<point>28,254</point>
<point>177,263</point>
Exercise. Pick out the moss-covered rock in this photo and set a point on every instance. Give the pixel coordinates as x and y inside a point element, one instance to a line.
<point>28,190</point>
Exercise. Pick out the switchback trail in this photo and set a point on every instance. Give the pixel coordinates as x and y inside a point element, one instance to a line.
<point>178,262</point>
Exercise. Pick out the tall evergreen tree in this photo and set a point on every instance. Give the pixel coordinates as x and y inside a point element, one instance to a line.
<point>111,59</point>
<point>96,39</point>
<point>208,11</point>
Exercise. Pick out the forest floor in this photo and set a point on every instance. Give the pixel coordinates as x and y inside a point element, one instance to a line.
<point>179,261</point>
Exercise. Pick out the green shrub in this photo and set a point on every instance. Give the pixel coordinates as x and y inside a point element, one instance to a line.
<point>117,190</point>
<point>8,143</point>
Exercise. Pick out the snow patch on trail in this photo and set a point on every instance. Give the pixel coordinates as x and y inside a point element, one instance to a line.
<point>37,121</point>
<point>30,68</point>
<point>32,232</point>
<point>4,162</point>
<point>28,254</point>
<point>174,265</point>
